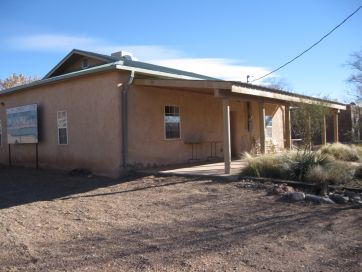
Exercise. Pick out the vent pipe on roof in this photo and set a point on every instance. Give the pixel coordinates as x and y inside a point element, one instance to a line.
<point>122,55</point>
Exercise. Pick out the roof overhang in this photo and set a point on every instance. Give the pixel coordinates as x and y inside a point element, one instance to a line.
<point>240,90</point>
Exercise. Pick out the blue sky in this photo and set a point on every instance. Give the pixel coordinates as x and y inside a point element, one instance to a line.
<point>225,39</point>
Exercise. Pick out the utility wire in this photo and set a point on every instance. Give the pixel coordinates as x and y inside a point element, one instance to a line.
<point>305,51</point>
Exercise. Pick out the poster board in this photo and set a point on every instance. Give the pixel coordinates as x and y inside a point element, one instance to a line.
<point>22,124</point>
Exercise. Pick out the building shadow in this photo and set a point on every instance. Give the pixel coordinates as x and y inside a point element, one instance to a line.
<point>20,186</point>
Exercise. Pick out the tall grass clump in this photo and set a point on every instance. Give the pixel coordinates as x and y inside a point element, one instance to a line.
<point>266,165</point>
<point>342,152</point>
<point>335,173</point>
<point>315,167</point>
<point>287,165</point>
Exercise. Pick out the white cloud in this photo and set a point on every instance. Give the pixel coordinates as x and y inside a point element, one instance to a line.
<point>227,69</point>
<point>215,67</point>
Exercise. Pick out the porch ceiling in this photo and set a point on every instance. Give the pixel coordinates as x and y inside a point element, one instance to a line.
<point>238,90</point>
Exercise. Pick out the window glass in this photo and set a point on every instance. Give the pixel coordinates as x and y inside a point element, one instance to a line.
<point>62,127</point>
<point>268,126</point>
<point>172,122</point>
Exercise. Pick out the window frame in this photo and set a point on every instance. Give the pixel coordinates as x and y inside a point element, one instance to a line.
<point>66,127</point>
<point>164,122</point>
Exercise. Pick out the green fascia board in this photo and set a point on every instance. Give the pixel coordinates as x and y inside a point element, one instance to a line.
<point>163,69</point>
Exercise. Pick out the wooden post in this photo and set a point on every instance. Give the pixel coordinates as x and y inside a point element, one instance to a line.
<point>324,131</point>
<point>335,126</point>
<point>36,156</point>
<point>10,163</point>
<point>227,147</point>
<point>288,131</point>
<point>262,126</point>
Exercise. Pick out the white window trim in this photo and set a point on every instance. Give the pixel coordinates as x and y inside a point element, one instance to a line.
<point>66,115</point>
<point>164,123</point>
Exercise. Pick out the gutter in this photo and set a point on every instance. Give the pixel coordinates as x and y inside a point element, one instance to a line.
<point>124,118</point>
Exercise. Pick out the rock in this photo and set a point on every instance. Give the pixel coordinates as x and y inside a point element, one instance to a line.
<point>350,194</point>
<point>282,189</point>
<point>355,200</point>
<point>295,196</point>
<point>318,199</point>
<point>340,199</point>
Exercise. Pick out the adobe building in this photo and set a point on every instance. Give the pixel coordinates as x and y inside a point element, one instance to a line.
<point>109,114</point>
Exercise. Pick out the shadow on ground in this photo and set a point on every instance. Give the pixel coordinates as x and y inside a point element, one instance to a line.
<point>24,185</point>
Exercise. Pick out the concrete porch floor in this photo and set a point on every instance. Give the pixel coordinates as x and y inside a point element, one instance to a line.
<point>215,169</point>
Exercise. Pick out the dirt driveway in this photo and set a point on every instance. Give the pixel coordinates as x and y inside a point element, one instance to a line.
<point>54,222</point>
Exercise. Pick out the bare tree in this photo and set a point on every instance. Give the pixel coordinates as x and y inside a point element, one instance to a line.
<point>16,80</point>
<point>277,83</point>
<point>355,63</point>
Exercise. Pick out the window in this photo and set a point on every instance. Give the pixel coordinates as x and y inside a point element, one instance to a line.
<point>62,124</point>
<point>1,133</point>
<point>268,126</point>
<point>85,63</point>
<point>172,122</point>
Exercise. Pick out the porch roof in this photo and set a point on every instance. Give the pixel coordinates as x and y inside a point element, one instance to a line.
<point>239,90</point>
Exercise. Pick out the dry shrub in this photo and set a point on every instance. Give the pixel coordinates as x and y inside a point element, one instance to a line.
<point>342,152</point>
<point>265,165</point>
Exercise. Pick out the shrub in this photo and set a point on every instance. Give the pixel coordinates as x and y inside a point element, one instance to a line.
<point>302,161</point>
<point>342,152</point>
<point>266,165</point>
<point>333,173</point>
<point>358,172</point>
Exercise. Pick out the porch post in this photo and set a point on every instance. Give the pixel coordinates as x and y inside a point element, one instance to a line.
<point>262,127</point>
<point>324,131</point>
<point>288,133</point>
<point>335,126</point>
<point>227,147</point>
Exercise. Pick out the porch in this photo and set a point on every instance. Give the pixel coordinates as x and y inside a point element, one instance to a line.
<point>228,92</point>
<point>214,169</point>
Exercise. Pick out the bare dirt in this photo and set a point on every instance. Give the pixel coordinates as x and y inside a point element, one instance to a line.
<point>50,221</point>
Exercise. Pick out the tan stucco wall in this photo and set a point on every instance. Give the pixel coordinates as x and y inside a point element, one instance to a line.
<point>93,105</point>
<point>201,118</point>
<point>93,108</point>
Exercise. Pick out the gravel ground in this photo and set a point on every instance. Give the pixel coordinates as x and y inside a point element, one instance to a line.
<point>50,221</point>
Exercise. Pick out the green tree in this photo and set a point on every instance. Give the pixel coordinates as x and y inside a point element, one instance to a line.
<point>307,120</point>
<point>16,80</point>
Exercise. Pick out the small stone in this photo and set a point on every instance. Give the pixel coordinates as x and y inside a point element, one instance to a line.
<point>296,196</point>
<point>355,200</point>
<point>327,200</point>
<point>318,199</point>
<point>340,199</point>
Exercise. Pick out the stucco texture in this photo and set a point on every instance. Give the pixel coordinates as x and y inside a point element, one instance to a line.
<point>201,122</point>
<point>93,112</point>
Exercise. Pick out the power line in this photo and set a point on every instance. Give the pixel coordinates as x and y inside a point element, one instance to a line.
<point>305,51</point>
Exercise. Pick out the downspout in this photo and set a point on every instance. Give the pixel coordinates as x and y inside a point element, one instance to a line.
<point>125,120</point>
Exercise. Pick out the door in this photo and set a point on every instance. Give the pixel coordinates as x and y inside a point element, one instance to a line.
<point>233,135</point>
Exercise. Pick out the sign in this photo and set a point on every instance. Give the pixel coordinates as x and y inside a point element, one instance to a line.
<point>22,124</point>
